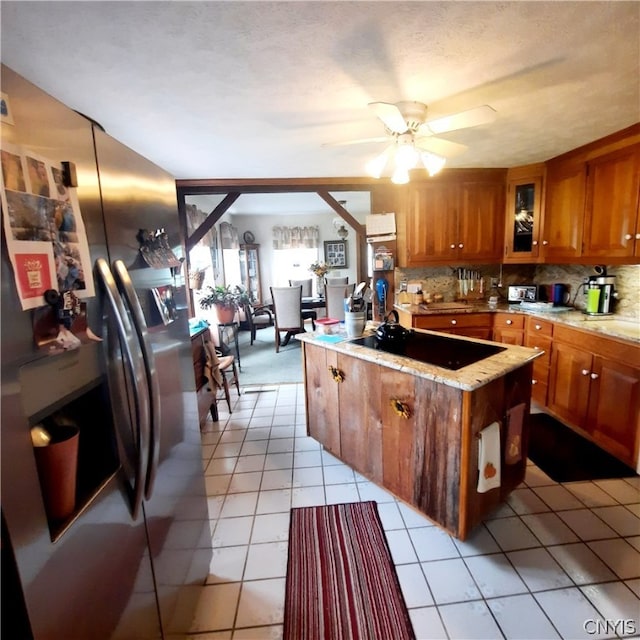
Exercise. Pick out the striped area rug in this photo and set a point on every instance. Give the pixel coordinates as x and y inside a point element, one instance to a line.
<point>341,582</point>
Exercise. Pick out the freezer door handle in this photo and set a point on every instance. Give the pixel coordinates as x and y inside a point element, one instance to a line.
<point>134,363</point>
<point>137,316</point>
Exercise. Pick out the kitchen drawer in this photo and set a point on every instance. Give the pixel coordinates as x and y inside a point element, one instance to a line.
<point>536,326</point>
<point>508,321</point>
<point>453,321</point>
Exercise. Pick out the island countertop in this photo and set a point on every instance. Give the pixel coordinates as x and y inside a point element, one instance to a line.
<point>467,378</point>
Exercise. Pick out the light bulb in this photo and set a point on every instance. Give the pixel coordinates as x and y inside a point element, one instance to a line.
<point>400,176</point>
<point>376,166</point>
<point>406,156</point>
<point>432,163</point>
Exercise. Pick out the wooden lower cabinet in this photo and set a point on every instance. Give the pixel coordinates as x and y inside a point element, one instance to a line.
<point>413,436</point>
<point>594,387</point>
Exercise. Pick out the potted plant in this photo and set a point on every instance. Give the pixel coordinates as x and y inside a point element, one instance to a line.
<point>226,300</point>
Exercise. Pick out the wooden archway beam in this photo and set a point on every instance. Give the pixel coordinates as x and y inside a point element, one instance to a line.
<point>211,219</point>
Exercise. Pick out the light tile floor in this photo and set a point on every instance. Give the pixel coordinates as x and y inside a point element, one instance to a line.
<point>555,561</point>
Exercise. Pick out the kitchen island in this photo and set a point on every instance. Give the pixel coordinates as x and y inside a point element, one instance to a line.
<point>414,428</point>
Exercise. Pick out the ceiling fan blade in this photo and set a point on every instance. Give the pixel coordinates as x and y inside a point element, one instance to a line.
<point>462,120</point>
<point>441,147</point>
<point>358,141</point>
<point>390,115</point>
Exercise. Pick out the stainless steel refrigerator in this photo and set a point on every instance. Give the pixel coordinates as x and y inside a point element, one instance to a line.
<point>131,558</point>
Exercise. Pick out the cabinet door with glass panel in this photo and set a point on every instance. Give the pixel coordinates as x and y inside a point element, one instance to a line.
<point>524,213</point>
<point>250,270</point>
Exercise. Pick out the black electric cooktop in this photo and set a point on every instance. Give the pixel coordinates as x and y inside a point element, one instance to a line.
<point>449,353</point>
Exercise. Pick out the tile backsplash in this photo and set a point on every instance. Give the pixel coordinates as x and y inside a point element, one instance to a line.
<point>443,280</point>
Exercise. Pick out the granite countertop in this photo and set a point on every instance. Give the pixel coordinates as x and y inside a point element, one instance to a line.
<point>468,378</point>
<point>612,326</point>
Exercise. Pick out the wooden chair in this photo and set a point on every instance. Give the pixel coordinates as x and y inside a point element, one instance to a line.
<point>217,368</point>
<point>334,295</point>
<point>287,308</point>
<point>258,317</point>
<point>307,314</point>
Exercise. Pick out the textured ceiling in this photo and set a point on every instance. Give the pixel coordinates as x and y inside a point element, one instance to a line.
<point>254,89</point>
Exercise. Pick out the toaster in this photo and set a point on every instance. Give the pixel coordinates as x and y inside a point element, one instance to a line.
<point>522,293</point>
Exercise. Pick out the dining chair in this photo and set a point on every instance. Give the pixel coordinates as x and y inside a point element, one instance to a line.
<point>307,314</point>
<point>306,286</point>
<point>341,280</point>
<point>257,317</point>
<point>334,295</point>
<point>287,309</point>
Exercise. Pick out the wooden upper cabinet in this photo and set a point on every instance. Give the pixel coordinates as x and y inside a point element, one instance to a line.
<point>591,203</point>
<point>431,222</point>
<point>564,210</point>
<point>458,219</point>
<point>524,213</point>
<point>611,211</point>
<point>480,221</point>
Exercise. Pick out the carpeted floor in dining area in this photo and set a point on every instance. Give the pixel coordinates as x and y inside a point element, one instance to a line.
<point>261,364</point>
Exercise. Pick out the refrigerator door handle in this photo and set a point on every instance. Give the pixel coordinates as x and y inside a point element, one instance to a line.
<point>133,359</point>
<point>137,316</point>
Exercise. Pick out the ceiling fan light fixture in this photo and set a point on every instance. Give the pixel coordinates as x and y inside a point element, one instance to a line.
<point>406,156</point>
<point>376,166</point>
<point>433,163</point>
<point>400,175</point>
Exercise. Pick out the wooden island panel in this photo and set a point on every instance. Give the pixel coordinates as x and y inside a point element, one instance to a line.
<point>413,436</point>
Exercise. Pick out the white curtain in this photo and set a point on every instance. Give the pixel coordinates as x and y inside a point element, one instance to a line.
<point>229,236</point>
<point>195,218</point>
<point>296,237</point>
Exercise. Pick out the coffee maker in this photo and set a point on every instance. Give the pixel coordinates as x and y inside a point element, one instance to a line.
<point>600,292</point>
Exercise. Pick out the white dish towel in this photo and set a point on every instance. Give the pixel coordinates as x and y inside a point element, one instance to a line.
<point>489,458</point>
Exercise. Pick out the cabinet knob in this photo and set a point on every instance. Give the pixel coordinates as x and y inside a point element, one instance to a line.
<point>538,327</point>
<point>336,374</point>
<point>637,236</point>
<point>585,372</point>
<point>461,245</point>
<point>594,376</point>
<point>401,408</point>
<point>454,322</point>
<point>628,236</point>
<point>545,242</point>
<point>534,381</point>
<point>509,321</point>
<point>535,243</point>
<point>453,246</point>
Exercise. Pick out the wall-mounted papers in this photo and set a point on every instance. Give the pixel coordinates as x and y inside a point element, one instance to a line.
<point>381,224</point>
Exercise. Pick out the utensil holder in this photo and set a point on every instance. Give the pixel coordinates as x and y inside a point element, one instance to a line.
<point>354,322</point>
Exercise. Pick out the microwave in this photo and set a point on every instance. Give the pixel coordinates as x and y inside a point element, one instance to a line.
<point>523,293</point>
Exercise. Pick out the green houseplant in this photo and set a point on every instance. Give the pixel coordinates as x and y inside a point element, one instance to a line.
<point>226,300</point>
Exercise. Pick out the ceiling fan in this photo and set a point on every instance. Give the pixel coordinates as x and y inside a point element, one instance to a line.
<point>412,138</point>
